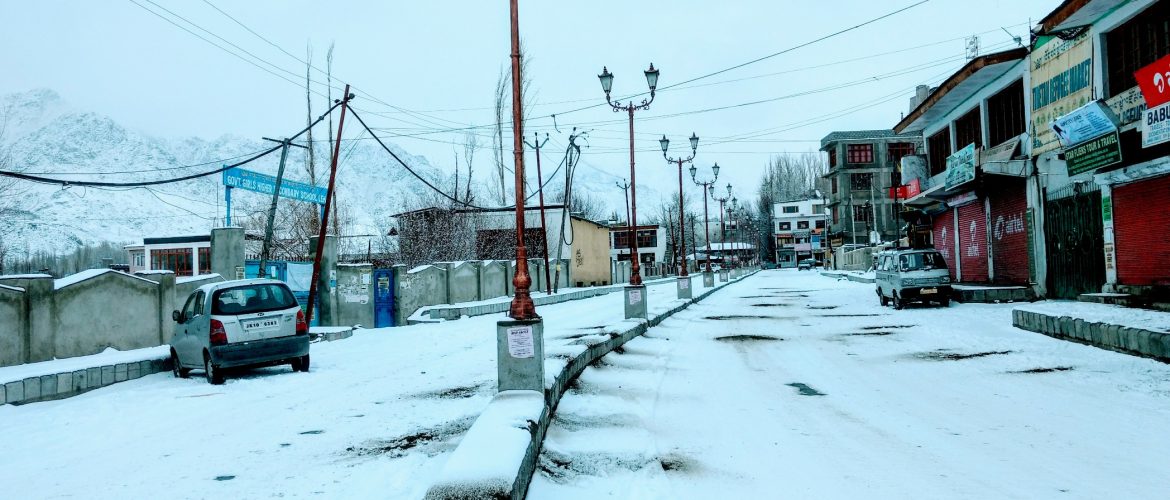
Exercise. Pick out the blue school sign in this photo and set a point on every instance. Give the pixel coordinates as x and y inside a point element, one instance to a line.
<point>266,184</point>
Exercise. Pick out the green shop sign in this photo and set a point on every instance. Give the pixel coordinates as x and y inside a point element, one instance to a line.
<point>1093,154</point>
<point>961,166</point>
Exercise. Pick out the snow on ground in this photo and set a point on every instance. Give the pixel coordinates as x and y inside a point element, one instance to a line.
<point>1157,321</point>
<point>805,388</point>
<point>377,416</point>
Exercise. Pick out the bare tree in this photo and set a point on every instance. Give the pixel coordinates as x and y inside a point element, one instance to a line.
<point>11,193</point>
<point>501,101</point>
<point>470,146</point>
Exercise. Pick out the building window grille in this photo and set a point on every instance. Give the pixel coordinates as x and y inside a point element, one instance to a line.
<point>861,182</point>
<point>969,129</point>
<point>859,153</point>
<point>896,150</point>
<point>1005,113</point>
<point>940,149</point>
<point>1135,44</point>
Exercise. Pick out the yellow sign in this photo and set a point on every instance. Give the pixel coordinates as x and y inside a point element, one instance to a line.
<point>1062,80</point>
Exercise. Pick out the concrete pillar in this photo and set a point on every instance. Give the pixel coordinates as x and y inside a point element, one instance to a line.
<point>227,252</point>
<point>1110,246</point>
<point>355,295</point>
<point>708,279</point>
<point>447,285</point>
<point>684,287</point>
<point>166,303</point>
<point>635,300</point>
<point>327,283</point>
<point>520,355</point>
<point>399,272</point>
<point>723,276</point>
<point>41,313</point>
<point>509,273</point>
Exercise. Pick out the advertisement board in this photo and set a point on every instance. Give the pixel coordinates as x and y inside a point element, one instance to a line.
<point>961,166</point>
<point>1085,123</point>
<point>1100,152</point>
<point>1156,125</point>
<point>1154,80</point>
<point>1062,80</point>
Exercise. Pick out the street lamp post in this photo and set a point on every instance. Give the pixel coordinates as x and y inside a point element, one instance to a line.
<point>684,280</point>
<point>708,275</point>
<point>635,291</point>
<point>624,185</point>
<point>520,338</point>
<point>722,227</point>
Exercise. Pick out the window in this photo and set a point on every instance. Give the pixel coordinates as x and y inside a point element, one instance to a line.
<point>940,149</point>
<point>818,209</point>
<point>861,182</point>
<point>1135,44</point>
<point>177,260</point>
<point>791,210</point>
<point>833,157</point>
<point>785,226</point>
<point>820,224</point>
<point>200,298</point>
<point>834,185</point>
<point>647,238</point>
<point>205,260</point>
<point>896,150</point>
<point>802,224</point>
<point>189,308</point>
<point>252,299</point>
<point>922,261</point>
<point>859,153</point>
<point>1005,113</point>
<point>621,239</point>
<point>969,129</point>
<point>860,213</point>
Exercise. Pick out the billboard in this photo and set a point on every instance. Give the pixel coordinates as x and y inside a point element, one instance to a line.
<point>266,184</point>
<point>1062,80</point>
<point>961,166</point>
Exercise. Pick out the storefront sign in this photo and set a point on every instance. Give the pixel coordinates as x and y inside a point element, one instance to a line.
<point>1062,77</point>
<point>906,191</point>
<point>1100,152</point>
<point>1156,125</point>
<point>1084,123</point>
<point>961,167</point>
<point>962,199</point>
<point>1128,106</point>
<point>1154,80</point>
<point>266,184</point>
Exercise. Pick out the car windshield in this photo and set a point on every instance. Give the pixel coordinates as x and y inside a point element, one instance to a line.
<point>256,298</point>
<point>922,261</point>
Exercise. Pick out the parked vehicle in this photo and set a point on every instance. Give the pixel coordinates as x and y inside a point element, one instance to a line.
<point>912,275</point>
<point>255,322</point>
<point>808,264</point>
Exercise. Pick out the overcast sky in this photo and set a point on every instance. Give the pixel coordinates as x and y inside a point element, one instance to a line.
<point>440,59</point>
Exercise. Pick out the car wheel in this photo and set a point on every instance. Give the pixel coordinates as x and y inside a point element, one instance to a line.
<point>301,364</point>
<point>897,302</point>
<point>882,299</point>
<point>214,376</point>
<point>945,302</point>
<point>177,368</point>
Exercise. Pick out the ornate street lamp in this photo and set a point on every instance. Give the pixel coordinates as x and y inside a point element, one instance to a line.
<point>708,277</point>
<point>684,289</point>
<point>635,292</point>
<point>722,226</point>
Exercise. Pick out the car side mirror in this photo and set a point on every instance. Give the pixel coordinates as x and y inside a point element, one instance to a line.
<point>177,316</point>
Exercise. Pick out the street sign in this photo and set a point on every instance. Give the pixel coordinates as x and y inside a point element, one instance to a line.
<point>1093,154</point>
<point>1154,80</point>
<point>1156,125</point>
<point>266,184</point>
<point>961,166</point>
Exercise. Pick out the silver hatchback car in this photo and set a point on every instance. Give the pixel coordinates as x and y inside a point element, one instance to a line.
<point>239,323</point>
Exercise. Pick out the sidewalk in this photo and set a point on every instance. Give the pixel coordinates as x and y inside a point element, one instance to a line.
<point>1140,332</point>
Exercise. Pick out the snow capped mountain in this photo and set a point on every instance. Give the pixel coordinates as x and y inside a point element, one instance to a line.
<point>46,136</point>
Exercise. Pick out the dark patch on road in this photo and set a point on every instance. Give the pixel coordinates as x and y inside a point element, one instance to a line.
<point>747,338</point>
<point>285,445</point>
<point>822,307</point>
<point>869,334</point>
<point>738,316</point>
<point>619,350</point>
<point>954,356</point>
<point>398,446</point>
<point>1046,370</point>
<point>313,432</point>
<point>887,326</point>
<point>757,296</point>
<point>461,392</point>
<point>224,478</point>
<point>805,390</point>
<point>676,463</point>
<point>790,290</point>
<point>848,315</point>
<point>770,305</point>
<point>563,467</point>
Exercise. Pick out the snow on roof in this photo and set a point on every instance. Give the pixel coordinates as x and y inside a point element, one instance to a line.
<point>419,269</point>
<point>201,277</point>
<point>88,274</point>
<point>24,276</point>
<point>12,288</point>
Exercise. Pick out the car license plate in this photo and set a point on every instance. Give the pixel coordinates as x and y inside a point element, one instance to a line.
<point>262,324</point>
<point>926,291</point>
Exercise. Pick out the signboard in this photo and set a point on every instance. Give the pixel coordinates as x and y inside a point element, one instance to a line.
<point>1000,153</point>
<point>1094,154</point>
<point>520,342</point>
<point>906,191</point>
<point>961,167</point>
<point>1128,105</point>
<point>914,167</point>
<point>266,184</point>
<point>1085,123</point>
<point>1156,126</point>
<point>1154,80</point>
<point>1062,77</point>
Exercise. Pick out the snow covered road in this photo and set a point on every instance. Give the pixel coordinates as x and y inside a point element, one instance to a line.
<point>793,385</point>
<point>376,417</point>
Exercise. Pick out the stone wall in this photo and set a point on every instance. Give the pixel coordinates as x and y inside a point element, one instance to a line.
<point>1136,341</point>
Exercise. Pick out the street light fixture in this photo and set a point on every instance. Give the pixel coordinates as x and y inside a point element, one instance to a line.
<point>635,292</point>
<point>722,225</point>
<point>684,289</point>
<point>708,278</point>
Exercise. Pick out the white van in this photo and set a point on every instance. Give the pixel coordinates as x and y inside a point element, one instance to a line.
<point>912,275</point>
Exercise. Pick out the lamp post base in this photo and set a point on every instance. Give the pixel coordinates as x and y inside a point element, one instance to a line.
<point>635,301</point>
<point>723,276</point>
<point>708,279</point>
<point>684,287</point>
<point>520,355</point>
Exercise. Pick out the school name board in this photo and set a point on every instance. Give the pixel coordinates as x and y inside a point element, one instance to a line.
<point>266,184</point>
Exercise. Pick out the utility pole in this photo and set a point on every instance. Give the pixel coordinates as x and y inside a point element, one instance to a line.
<point>540,189</point>
<point>265,253</point>
<point>325,211</point>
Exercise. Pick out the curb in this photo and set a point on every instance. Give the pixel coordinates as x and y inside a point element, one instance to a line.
<point>459,488</point>
<point>72,383</point>
<point>1126,340</point>
<point>449,312</point>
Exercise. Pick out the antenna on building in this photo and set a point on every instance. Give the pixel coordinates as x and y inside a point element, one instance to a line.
<point>1019,41</point>
<point>973,47</point>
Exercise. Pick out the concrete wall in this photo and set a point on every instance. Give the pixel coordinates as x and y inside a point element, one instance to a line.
<point>327,281</point>
<point>589,262</point>
<point>355,295</point>
<point>227,251</point>
<point>13,327</point>
<point>184,286</point>
<point>463,281</point>
<point>418,287</point>
<point>493,278</point>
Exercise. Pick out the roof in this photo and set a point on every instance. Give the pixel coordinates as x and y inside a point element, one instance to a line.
<point>533,208</point>
<point>177,239</point>
<point>1076,13</point>
<point>965,82</point>
<point>861,135</point>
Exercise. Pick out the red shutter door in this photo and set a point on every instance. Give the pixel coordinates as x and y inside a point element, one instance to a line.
<point>1141,214</point>
<point>944,237</point>
<point>973,242</point>
<point>1009,232</point>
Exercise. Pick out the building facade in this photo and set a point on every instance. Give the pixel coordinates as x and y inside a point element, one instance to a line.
<point>799,228</point>
<point>184,255</point>
<point>651,243</point>
<point>862,168</point>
